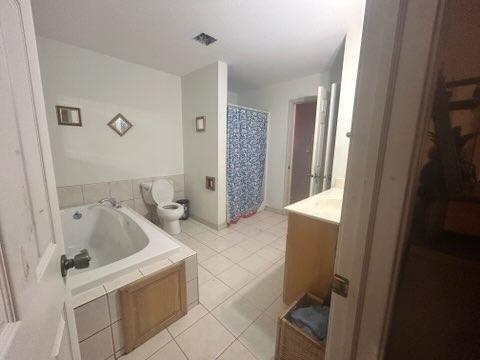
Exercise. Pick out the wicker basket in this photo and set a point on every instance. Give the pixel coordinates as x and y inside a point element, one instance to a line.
<point>294,343</point>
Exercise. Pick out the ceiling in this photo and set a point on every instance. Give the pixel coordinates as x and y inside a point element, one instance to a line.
<point>263,41</point>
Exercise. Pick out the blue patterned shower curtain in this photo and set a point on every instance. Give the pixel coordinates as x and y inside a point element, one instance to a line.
<point>246,152</point>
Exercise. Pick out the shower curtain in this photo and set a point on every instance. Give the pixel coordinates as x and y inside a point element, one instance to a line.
<point>246,153</point>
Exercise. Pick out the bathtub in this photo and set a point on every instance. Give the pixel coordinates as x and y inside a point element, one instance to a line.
<point>117,240</point>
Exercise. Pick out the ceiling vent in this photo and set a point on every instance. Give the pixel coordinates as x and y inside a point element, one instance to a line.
<point>204,39</point>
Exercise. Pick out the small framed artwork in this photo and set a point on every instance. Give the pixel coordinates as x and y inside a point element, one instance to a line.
<point>201,123</point>
<point>67,115</point>
<point>120,124</point>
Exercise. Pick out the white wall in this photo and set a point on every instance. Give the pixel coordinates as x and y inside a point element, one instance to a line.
<point>103,86</point>
<point>204,92</point>
<point>347,92</point>
<point>275,99</point>
<point>232,97</point>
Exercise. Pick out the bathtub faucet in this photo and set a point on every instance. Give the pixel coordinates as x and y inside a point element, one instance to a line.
<point>112,201</point>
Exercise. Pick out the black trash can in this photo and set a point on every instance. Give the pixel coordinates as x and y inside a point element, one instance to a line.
<point>186,208</point>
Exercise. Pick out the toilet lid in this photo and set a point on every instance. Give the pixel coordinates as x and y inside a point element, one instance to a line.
<point>162,191</point>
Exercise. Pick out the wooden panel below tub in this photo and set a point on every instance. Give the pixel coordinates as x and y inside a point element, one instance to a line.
<point>309,257</point>
<point>152,303</point>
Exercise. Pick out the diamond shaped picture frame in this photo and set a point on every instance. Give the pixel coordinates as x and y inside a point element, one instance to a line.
<point>120,124</point>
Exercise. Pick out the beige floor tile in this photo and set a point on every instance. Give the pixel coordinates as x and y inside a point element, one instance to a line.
<point>192,229</point>
<point>274,275</point>
<point>202,250</point>
<point>261,293</point>
<point>270,253</point>
<point>277,308</point>
<point>262,214</point>
<point>273,219</point>
<point>149,348</point>
<point>203,275</point>
<point>214,292</point>
<point>236,236</point>
<point>279,229</point>
<point>236,351</point>
<point>216,264</point>
<point>280,243</point>
<point>221,244</point>
<point>205,340</point>
<point>236,253</point>
<point>236,314</point>
<point>249,220</point>
<point>171,351</point>
<point>188,320</point>
<point>236,277</point>
<point>255,264</point>
<point>224,231</point>
<point>249,230</point>
<point>265,237</point>
<point>251,245</point>
<point>182,236</point>
<point>206,237</point>
<point>259,338</point>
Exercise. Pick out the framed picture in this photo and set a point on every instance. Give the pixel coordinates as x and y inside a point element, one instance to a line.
<point>120,124</point>
<point>201,123</point>
<point>67,115</point>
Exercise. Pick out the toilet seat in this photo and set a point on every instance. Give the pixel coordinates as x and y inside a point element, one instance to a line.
<point>169,210</point>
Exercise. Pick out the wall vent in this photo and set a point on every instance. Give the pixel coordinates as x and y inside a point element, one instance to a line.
<point>204,39</point>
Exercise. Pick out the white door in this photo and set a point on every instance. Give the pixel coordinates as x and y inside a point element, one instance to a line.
<point>36,319</point>
<point>319,138</point>
<point>398,42</point>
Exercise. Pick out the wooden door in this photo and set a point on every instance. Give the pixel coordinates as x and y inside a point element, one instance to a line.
<point>36,319</point>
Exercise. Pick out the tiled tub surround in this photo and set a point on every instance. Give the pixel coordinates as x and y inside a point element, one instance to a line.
<point>97,311</point>
<point>126,191</point>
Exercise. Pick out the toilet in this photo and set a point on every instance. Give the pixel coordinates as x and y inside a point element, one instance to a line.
<point>160,194</point>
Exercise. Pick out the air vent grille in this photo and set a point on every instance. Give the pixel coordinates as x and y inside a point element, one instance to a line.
<point>204,39</point>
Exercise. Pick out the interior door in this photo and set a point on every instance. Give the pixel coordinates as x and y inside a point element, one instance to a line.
<point>37,322</point>
<point>397,45</point>
<point>319,139</point>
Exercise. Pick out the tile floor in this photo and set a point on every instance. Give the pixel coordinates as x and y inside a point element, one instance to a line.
<point>240,275</point>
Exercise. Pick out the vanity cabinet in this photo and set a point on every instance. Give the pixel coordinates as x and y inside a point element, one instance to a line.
<point>309,257</point>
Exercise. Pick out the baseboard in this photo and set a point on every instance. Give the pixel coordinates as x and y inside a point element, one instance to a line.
<point>208,223</point>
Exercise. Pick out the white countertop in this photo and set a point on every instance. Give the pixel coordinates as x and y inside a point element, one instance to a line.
<point>325,206</point>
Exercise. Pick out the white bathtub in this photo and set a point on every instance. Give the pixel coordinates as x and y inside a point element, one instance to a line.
<point>117,240</point>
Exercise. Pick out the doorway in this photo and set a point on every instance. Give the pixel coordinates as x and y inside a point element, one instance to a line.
<point>311,140</point>
<point>304,127</point>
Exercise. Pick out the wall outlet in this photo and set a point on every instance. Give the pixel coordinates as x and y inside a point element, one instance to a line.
<point>210,183</point>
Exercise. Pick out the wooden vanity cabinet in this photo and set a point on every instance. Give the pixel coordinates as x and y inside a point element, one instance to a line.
<point>309,257</point>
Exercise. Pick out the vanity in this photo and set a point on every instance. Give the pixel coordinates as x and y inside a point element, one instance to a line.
<point>311,242</point>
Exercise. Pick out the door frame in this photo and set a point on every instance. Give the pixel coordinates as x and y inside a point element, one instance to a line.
<point>392,96</point>
<point>292,107</point>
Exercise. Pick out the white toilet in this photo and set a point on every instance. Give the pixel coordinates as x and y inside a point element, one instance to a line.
<point>160,193</point>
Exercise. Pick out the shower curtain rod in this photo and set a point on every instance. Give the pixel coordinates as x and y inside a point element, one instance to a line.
<point>249,108</point>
